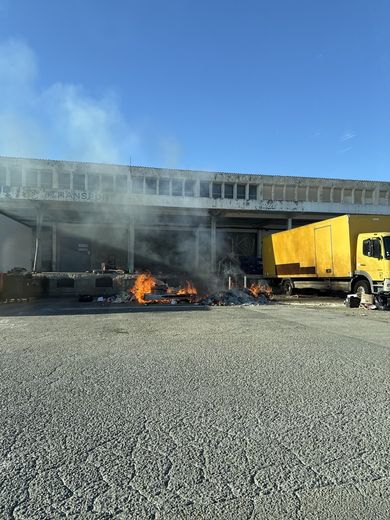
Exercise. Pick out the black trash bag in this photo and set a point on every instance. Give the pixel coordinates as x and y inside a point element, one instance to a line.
<point>85,298</point>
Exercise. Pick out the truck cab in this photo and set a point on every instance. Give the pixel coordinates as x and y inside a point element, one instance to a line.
<point>373,263</point>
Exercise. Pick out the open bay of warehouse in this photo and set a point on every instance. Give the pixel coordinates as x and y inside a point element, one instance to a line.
<point>273,412</point>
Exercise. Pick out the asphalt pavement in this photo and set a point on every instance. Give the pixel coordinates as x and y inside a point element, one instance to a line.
<point>270,412</point>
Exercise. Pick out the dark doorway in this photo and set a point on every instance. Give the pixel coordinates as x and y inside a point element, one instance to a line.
<point>75,254</point>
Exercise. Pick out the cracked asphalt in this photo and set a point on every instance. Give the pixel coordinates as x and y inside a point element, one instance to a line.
<point>275,412</point>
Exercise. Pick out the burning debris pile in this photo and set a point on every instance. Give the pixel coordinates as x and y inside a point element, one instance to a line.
<point>149,290</point>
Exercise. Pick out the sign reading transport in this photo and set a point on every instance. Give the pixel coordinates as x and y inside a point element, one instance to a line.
<point>11,192</point>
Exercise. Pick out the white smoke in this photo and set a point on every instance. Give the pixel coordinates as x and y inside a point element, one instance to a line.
<point>61,121</point>
<point>64,121</point>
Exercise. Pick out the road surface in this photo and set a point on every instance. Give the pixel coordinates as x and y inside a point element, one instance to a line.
<point>275,412</point>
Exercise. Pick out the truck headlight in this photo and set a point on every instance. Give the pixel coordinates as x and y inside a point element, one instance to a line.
<point>386,285</point>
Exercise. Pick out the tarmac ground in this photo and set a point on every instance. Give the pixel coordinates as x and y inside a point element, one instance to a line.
<point>272,412</point>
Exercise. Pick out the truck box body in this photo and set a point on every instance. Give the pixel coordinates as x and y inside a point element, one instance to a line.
<point>324,249</point>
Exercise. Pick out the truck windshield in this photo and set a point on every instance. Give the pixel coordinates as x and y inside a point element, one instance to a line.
<point>386,241</point>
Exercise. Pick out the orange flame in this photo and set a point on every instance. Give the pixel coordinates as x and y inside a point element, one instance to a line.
<point>188,289</point>
<point>144,284</point>
<point>257,289</point>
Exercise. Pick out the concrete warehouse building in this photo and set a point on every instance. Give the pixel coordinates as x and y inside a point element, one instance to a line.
<point>72,216</point>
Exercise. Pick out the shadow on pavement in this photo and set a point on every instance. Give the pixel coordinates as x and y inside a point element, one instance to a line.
<point>74,308</point>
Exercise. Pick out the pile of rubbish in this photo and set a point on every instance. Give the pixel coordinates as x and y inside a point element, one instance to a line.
<point>368,301</point>
<point>149,290</point>
<point>122,297</point>
<point>236,297</point>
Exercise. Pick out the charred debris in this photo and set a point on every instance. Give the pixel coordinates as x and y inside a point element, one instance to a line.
<point>139,289</point>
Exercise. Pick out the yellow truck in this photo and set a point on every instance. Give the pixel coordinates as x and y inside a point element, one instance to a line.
<point>348,253</point>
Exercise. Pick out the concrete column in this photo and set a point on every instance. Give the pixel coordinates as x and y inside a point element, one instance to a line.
<point>196,252</point>
<point>259,251</point>
<point>54,247</point>
<point>289,223</point>
<point>260,191</point>
<point>55,179</point>
<point>38,229</point>
<point>130,245</point>
<point>213,244</point>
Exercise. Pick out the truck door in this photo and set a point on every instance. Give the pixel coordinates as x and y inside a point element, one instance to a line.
<point>324,252</point>
<point>369,257</point>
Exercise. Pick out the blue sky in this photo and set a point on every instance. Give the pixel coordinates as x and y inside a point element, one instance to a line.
<point>281,87</point>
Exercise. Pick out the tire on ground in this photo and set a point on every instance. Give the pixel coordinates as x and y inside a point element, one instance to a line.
<point>362,286</point>
<point>288,287</point>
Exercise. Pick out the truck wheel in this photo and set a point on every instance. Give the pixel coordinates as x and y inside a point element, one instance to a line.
<point>362,287</point>
<point>287,287</point>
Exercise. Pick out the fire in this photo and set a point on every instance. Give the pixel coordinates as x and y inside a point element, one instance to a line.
<point>144,284</point>
<point>257,289</point>
<point>188,289</point>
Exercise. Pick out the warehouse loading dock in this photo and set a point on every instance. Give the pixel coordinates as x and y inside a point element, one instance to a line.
<point>100,211</point>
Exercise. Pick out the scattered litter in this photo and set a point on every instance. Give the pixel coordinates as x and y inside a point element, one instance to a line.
<point>235,297</point>
<point>352,301</point>
<point>382,302</point>
<point>122,297</point>
<point>367,299</point>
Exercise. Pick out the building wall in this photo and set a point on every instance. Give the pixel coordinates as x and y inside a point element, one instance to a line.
<point>159,218</point>
<point>15,245</point>
<point>33,179</point>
